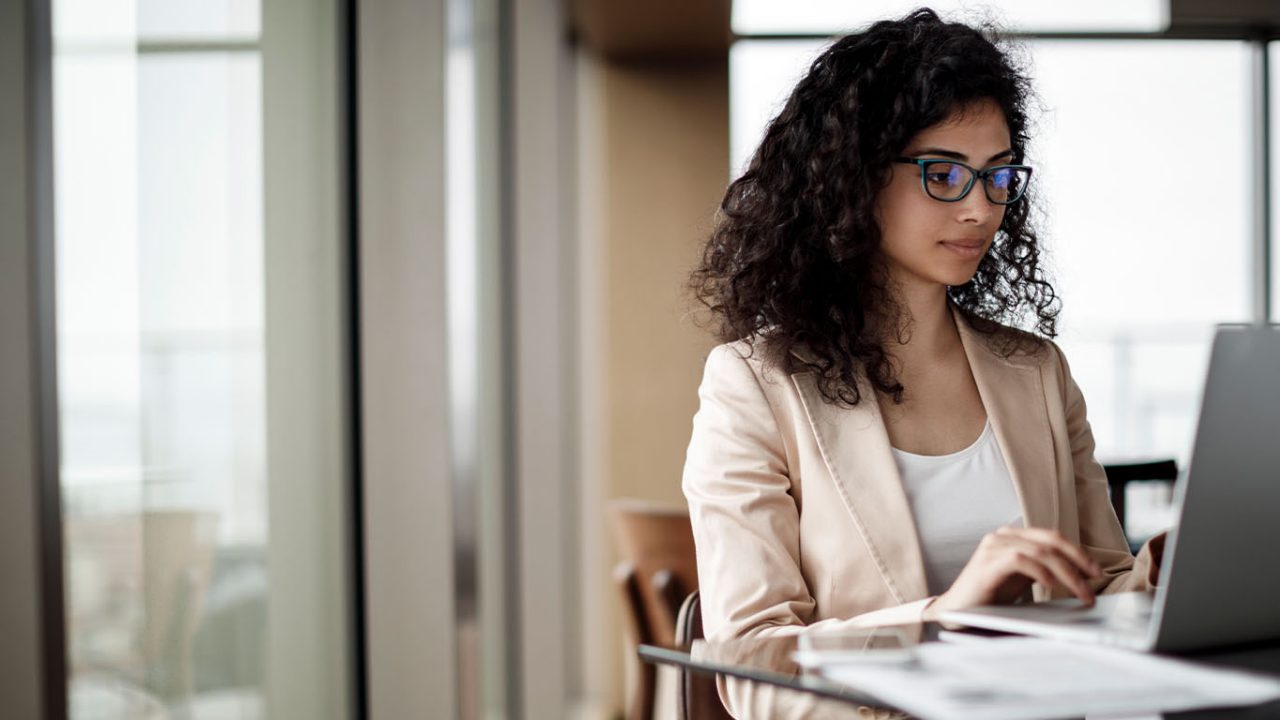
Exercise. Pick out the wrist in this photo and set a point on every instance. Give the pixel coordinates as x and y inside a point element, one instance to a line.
<point>929,613</point>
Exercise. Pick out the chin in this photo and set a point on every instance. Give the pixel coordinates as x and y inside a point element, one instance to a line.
<point>954,279</point>
<point>952,271</point>
<point>945,270</point>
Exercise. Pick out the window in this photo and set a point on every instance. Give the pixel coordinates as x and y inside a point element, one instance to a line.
<point>201,360</point>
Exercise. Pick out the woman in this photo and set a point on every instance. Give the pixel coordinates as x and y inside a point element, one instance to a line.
<point>876,441</point>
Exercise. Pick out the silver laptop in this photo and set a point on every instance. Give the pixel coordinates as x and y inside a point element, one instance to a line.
<point>1220,578</point>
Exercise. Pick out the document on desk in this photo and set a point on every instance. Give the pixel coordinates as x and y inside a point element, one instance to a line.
<point>1034,678</point>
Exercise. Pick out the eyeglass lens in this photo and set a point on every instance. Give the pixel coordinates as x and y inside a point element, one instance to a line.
<point>948,181</point>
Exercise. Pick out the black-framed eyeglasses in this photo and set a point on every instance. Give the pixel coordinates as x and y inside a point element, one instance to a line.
<point>951,181</point>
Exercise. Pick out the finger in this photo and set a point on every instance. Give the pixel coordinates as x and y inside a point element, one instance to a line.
<point>1054,538</point>
<point>1066,574</point>
<point>1049,555</point>
<point>1024,565</point>
<point>1039,543</point>
<point>1070,550</point>
<point>1046,577</point>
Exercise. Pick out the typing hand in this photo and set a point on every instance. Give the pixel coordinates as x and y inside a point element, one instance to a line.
<point>1156,547</point>
<point>1009,560</point>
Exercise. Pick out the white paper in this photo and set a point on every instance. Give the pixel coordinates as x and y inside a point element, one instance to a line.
<point>1035,678</point>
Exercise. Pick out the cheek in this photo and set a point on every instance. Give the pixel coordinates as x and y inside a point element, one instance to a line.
<point>904,244</point>
<point>901,212</point>
<point>907,223</point>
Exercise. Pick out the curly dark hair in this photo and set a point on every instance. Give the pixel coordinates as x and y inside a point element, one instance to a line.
<point>792,260</point>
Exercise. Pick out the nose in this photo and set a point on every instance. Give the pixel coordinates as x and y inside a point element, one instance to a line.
<point>975,208</point>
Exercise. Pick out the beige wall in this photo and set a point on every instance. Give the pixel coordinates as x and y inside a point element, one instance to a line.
<point>667,148</point>
<point>654,164</point>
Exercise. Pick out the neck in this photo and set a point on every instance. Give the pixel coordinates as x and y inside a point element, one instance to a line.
<point>929,330</point>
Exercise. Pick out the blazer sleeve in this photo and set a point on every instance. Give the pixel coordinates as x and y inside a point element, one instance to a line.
<point>1101,534</point>
<point>746,525</point>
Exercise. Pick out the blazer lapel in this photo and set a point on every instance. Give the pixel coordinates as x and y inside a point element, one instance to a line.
<point>1013,395</point>
<point>856,450</point>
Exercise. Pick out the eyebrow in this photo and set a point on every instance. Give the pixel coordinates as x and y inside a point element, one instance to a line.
<point>959,156</point>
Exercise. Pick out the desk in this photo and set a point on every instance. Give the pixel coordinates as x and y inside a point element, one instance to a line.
<point>767,663</point>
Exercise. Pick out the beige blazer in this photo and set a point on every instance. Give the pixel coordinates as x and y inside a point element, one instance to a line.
<point>799,515</point>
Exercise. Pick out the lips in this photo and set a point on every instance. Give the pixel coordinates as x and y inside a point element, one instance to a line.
<point>965,248</point>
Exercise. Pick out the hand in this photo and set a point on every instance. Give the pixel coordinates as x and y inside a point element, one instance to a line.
<point>1009,560</point>
<point>1156,547</point>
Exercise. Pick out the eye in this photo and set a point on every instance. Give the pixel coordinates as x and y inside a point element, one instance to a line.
<point>944,174</point>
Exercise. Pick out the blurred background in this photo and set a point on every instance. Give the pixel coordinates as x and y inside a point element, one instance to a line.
<point>344,337</point>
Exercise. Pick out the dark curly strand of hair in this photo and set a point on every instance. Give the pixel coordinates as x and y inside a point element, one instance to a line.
<point>792,260</point>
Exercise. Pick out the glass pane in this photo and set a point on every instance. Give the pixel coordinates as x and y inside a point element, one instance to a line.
<point>199,19</point>
<point>190,565</point>
<point>821,17</point>
<point>130,21</point>
<point>761,75</point>
<point>1147,265</point>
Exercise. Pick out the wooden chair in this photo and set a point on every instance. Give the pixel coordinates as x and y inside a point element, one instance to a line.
<point>658,570</point>
<point>696,695</point>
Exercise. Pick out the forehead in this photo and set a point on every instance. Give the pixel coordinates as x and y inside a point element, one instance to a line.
<point>981,126</point>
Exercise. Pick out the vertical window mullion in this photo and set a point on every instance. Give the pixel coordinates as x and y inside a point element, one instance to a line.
<point>1260,118</point>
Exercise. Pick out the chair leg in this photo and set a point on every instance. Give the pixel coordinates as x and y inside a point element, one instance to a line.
<point>683,711</point>
<point>671,595</point>
<point>640,705</point>
<point>640,693</point>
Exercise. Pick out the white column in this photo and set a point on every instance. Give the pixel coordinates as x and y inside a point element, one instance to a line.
<point>411,646</point>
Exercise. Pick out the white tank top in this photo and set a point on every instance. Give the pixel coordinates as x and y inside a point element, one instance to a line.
<point>956,499</point>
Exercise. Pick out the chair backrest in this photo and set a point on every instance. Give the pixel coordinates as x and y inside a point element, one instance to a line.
<point>656,544</point>
<point>657,570</point>
<point>689,620</point>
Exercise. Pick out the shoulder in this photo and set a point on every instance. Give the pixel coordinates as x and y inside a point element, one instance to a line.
<point>1012,345</point>
<point>744,368</point>
<point>1024,350</point>
<point>734,363</point>
<point>754,356</point>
